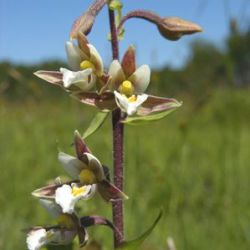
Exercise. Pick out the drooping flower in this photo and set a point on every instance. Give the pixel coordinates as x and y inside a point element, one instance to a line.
<point>129,85</point>
<point>88,176</point>
<point>85,65</point>
<point>67,228</point>
<point>38,237</point>
<point>89,171</point>
<point>64,196</point>
<point>125,88</point>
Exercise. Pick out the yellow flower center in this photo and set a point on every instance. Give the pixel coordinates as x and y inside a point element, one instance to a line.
<point>87,65</point>
<point>78,190</point>
<point>132,98</point>
<point>87,177</point>
<point>65,220</point>
<point>126,88</point>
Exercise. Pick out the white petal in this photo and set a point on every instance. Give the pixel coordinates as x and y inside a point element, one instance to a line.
<point>71,164</point>
<point>140,79</point>
<point>36,239</point>
<point>117,74</point>
<point>67,200</point>
<point>133,106</point>
<point>73,55</point>
<point>95,58</point>
<point>50,205</point>
<point>78,78</point>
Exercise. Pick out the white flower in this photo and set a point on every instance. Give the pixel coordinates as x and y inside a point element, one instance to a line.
<point>85,64</point>
<point>66,196</point>
<point>76,56</point>
<point>139,79</point>
<point>36,239</point>
<point>39,237</point>
<point>129,104</point>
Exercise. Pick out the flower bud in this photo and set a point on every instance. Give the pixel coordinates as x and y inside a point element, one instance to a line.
<point>82,24</point>
<point>85,22</point>
<point>173,28</point>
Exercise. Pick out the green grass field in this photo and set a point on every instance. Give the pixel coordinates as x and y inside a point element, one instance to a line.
<point>195,164</point>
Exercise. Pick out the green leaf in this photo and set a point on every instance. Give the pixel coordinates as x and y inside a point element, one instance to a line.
<point>138,120</point>
<point>95,124</point>
<point>134,244</point>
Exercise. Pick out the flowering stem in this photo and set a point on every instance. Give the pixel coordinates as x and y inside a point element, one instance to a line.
<point>118,129</point>
<point>143,14</point>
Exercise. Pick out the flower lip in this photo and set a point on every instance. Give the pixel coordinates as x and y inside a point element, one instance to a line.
<point>82,79</point>
<point>129,105</point>
<point>67,195</point>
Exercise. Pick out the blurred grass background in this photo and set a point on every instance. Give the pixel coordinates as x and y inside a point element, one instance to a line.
<point>194,164</point>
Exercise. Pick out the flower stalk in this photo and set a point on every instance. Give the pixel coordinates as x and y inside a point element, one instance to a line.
<point>118,134</point>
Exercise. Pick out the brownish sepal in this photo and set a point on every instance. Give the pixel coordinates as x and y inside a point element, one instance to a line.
<point>173,28</point>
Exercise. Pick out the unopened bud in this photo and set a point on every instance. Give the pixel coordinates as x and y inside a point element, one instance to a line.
<point>82,24</point>
<point>173,28</point>
<point>85,22</point>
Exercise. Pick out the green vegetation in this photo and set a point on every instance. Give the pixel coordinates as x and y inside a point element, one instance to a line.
<point>194,164</point>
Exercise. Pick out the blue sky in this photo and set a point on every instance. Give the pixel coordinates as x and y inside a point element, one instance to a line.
<point>36,30</point>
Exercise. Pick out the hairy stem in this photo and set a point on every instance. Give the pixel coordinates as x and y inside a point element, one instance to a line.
<point>118,129</point>
<point>143,14</point>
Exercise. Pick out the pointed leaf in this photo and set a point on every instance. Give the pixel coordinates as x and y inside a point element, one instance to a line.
<point>134,244</point>
<point>95,124</point>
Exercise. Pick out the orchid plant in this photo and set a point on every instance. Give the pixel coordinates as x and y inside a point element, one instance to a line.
<point>120,90</point>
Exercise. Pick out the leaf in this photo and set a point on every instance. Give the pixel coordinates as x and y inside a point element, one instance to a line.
<point>138,120</point>
<point>134,244</point>
<point>96,123</point>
